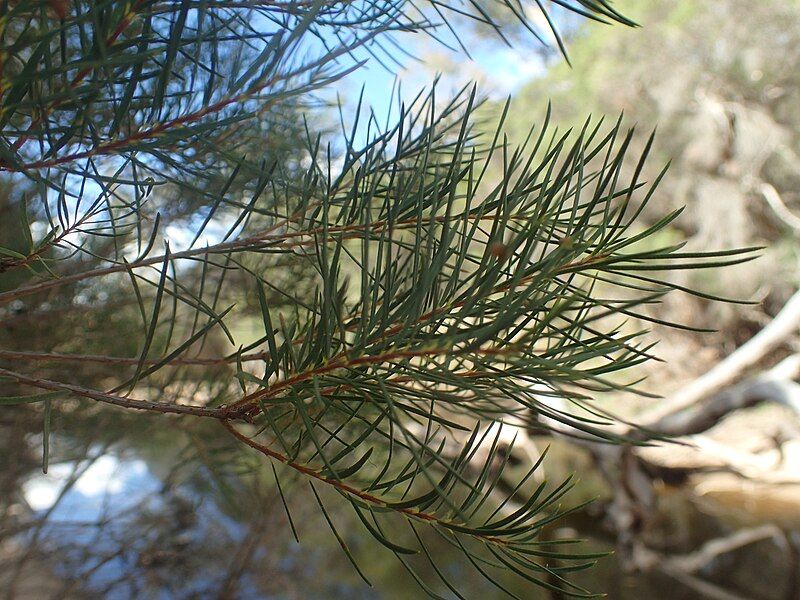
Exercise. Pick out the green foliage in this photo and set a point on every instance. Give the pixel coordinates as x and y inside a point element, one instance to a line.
<point>405,302</point>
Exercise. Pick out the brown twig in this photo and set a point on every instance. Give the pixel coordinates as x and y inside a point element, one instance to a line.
<point>248,403</point>
<point>252,242</point>
<point>115,400</point>
<point>119,360</point>
<point>348,489</point>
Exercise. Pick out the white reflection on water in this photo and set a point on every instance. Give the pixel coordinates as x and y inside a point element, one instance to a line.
<point>106,479</point>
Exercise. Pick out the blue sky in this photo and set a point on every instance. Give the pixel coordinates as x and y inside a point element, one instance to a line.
<point>498,70</point>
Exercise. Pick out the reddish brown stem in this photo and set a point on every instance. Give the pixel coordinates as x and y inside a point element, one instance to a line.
<point>348,489</point>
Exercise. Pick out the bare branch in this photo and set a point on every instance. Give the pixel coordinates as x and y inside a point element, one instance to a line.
<point>784,325</point>
<point>780,209</point>
<point>122,402</point>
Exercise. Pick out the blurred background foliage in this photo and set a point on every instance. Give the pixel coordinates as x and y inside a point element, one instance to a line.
<point>720,84</point>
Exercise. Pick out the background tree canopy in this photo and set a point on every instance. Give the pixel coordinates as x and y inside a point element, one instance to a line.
<point>349,314</point>
<point>726,110</point>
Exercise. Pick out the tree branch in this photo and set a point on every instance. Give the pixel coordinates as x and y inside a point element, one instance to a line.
<point>780,209</point>
<point>107,398</point>
<point>784,325</point>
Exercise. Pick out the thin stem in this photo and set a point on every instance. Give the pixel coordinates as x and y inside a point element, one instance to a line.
<point>113,399</point>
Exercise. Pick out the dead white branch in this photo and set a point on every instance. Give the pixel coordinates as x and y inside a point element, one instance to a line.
<point>778,206</point>
<point>784,325</point>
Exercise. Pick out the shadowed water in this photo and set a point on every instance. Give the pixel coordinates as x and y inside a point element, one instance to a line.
<point>177,510</point>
